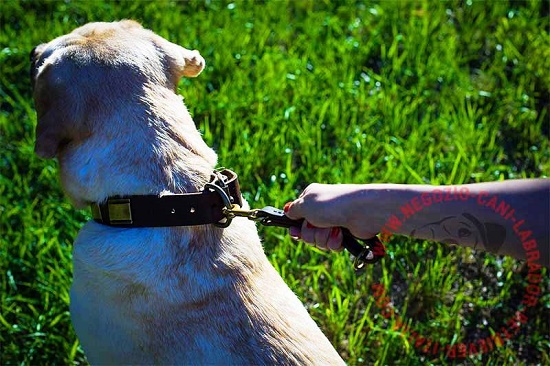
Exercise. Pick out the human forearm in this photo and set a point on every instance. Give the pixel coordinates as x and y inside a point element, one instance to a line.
<point>508,217</point>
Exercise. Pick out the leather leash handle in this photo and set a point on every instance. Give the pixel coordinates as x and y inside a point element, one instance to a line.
<point>371,252</point>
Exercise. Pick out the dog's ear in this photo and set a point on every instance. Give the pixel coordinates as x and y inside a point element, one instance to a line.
<point>57,127</point>
<point>59,115</point>
<point>181,61</point>
<point>190,63</point>
<point>51,133</point>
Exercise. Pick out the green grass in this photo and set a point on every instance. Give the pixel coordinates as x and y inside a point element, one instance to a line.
<point>310,91</point>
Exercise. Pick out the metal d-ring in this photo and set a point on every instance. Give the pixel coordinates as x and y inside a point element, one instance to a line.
<point>225,222</point>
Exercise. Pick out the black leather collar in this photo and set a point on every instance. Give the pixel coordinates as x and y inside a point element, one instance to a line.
<point>187,209</point>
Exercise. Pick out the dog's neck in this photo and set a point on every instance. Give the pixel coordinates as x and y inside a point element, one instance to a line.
<point>152,147</point>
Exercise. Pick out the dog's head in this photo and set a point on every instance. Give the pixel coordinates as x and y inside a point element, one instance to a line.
<point>95,69</point>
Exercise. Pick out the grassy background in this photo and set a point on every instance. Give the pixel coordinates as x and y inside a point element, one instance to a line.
<point>310,91</point>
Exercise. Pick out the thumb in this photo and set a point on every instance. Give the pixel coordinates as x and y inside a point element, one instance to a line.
<point>293,210</point>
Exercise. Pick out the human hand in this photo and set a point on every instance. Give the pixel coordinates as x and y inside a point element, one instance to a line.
<point>326,208</point>
<point>322,238</point>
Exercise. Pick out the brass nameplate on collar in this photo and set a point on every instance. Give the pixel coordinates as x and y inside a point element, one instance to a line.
<point>119,211</point>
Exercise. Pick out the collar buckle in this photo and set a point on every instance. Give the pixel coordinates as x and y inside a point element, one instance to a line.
<point>119,210</point>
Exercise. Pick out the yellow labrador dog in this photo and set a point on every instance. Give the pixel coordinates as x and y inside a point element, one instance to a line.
<point>107,108</point>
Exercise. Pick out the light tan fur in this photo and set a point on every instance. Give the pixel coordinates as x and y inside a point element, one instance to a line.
<point>107,108</point>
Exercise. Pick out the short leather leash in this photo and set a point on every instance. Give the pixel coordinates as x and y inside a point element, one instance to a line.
<point>218,203</point>
<point>371,252</point>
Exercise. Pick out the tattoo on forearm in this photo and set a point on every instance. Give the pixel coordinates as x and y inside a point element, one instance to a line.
<point>464,229</point>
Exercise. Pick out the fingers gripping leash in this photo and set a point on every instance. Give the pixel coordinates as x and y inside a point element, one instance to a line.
<point>371,252</point>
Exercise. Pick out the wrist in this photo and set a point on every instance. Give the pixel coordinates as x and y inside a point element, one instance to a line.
<point>369,208</point>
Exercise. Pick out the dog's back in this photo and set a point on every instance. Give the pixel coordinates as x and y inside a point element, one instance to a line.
<point>180,295</point>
